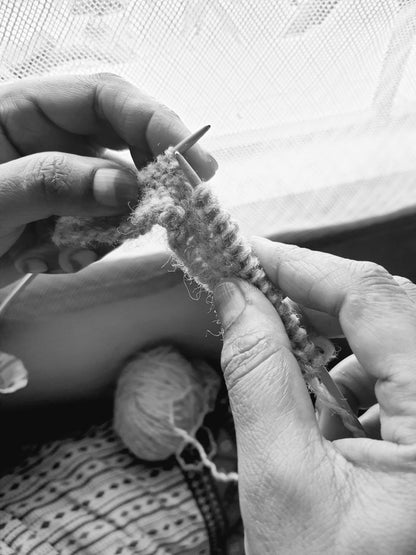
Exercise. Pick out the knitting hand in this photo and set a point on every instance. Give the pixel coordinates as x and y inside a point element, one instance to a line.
<point>54,132</point>
<point>299,492</point>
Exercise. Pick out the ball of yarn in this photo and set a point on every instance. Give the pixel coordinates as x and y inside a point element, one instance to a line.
<point>162,398</point>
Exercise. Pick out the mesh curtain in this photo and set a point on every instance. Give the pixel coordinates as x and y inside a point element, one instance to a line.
<point>312,103</point>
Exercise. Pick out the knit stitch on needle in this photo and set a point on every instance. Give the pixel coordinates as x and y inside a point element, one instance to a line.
<point>209,247</point>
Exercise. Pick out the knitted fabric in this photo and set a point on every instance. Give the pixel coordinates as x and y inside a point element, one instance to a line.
<point>208,247</point>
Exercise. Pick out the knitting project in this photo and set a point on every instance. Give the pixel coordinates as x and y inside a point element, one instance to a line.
<point>209,247</point>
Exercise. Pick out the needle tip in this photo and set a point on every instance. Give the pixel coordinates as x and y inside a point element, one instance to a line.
<point>189,141</point>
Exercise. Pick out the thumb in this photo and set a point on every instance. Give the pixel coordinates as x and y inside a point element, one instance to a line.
<point>54,183</point>
<point>269,400</point>
<point>286,476</point>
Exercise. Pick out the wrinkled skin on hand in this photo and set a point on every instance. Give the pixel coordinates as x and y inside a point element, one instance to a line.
<point>55,133</point>
<point>306,487</point>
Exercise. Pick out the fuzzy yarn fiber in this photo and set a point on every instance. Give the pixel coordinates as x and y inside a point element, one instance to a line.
<point>161,401</point>
<point>209,247</point>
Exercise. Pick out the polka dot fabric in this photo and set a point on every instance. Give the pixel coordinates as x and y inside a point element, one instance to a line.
<point>88,495</point>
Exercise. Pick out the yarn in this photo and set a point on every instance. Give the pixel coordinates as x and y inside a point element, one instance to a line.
<point>113,230</point>
<point>205,461</point>
<point>88,232</point>
<point>161,400</point>
<point>208,247</point>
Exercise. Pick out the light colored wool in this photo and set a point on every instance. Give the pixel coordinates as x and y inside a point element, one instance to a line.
<point>209,247</point>
<point>161,401</point>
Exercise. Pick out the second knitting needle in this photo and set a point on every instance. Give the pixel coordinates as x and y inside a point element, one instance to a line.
<point>22,284</point>
<point>188,170</point>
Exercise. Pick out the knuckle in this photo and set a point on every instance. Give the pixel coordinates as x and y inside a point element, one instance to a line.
<point>103,77</point>
<point>404,281</point>
<point>246,353</point>
<point>370,274</point>
<point>168,112</point>
<point>408,286</point>
<point>371,285</point>
<point>51,175</point>
<point>408,454</point>
<point>9,114</point>
<point>115,89</point>
<point>6,104</point>
<point>164,118</point>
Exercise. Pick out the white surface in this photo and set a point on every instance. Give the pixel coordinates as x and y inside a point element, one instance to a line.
<point>302,96</point>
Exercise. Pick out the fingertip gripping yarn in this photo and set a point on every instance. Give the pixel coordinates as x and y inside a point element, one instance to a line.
<point>208,247</point>
<point>156,202</point>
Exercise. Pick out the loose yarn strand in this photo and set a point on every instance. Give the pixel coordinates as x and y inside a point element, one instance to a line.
<point>204,460</point>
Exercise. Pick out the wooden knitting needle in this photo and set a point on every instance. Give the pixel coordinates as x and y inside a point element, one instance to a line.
<point>22,284</point>
<point>324,375</point>
<point>332,387</point>
<point>188,170</point>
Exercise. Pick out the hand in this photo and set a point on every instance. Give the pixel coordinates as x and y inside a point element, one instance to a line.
<point>299,492</point>
<point>53,136</point>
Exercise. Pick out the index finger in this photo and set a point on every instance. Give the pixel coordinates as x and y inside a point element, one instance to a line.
<point>375,313</point>
<point>108,108</point>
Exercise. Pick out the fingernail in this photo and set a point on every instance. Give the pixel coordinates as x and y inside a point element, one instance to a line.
<point>73,260</point>
<point>229,302</point>
<point>34,266</point>
<point>113,187</point>
<point>83,258</point>
<point>213,162</point>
